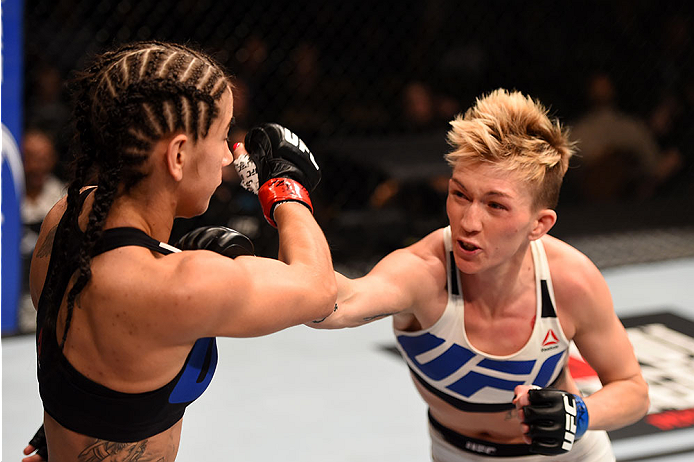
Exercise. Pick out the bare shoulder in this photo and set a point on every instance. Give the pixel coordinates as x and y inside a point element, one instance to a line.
<point>430,249</point>
<point>43,248</point>
<point>425,258</point>
<point>568,265</point>
<point>169,293</point>
<point>418,272</point>
<point>53,216</point>
<point>578,284</point>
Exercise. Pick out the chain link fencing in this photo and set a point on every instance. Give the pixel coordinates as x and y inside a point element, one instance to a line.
<point>370,86</point>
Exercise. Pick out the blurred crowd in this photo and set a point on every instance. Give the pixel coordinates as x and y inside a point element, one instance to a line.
<point>371,91</point>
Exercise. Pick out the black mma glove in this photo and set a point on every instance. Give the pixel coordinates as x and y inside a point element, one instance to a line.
<point>556,419</point>
<point>286,168</point>
<point>39,443</point>
<point>219,239</point>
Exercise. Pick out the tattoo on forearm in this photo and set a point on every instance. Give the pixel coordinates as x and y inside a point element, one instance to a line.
<point>45,249</point>
<point>510,415</point>
<point>108,451</point>
<point>382,315</point>
<point>318,321</point>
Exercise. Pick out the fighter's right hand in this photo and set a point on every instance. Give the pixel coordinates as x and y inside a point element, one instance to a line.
<point>219,239</point>
<point>285,167</point>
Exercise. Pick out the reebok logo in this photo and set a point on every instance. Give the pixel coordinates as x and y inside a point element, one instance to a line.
<point>550,339</point>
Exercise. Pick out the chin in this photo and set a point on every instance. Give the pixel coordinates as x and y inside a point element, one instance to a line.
<point>467,266</point>
<point>194,211</point>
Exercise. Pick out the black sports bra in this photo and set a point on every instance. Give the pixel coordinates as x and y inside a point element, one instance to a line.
<point>89,408</point>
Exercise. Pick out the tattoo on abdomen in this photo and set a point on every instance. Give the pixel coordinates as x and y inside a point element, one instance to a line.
<point>108,451</point>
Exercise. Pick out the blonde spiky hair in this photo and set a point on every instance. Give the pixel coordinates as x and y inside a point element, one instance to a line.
<point>515,133</point>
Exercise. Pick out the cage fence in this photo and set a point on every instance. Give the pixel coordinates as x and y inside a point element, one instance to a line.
<point>371,86</point>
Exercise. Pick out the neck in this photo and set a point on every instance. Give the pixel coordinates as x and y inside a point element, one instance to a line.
<point>32,193</point>
<point>151,213</point>
<point>497,286</point>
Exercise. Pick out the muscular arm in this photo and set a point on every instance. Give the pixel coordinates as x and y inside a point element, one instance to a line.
<point>603,343</point>
<point>212,295</point>
<point>399,283</point>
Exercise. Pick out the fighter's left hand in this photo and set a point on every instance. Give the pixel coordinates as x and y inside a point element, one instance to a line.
<point>551,419</point>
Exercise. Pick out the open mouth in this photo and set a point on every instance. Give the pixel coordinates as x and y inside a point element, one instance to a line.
<point>468,246</point>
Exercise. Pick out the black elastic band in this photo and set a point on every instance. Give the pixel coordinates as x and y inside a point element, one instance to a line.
<point>454,275</point>
<point>547,306</point>
<point>476,446</point>
<point>460,404</point>
<point>114,238</point>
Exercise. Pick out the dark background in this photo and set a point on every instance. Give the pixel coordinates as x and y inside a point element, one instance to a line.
<point>338,74</point>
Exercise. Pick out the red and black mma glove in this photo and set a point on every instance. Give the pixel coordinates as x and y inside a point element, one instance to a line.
<point>556,419</point>
<point>219,239</point>
<point>286,168</point>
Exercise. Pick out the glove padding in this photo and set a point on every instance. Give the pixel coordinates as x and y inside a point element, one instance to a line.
<point>39,443</point>
<point>278,153</point>
<point>556,419</point>
<point>285,168</point>
<point>219,239</point>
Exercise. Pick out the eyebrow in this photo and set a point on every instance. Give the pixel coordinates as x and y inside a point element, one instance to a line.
<point>493,193</point>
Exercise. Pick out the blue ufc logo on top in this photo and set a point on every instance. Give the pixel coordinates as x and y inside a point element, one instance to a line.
<point>456,356</point>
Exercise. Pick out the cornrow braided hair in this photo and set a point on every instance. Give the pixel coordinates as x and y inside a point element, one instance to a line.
<point>123,103</point>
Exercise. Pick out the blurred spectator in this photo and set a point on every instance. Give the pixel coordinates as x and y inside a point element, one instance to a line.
<point>418,106</point>
<point>423,120</point>
<point>618,156</point>
<point>258,74</point>
<point>669,123</point>
<point>43,190</point>
<point>47,109</point>
<point>675,48</point>
<point>309,93</point>
<point>244,112</point>
<point>423,110</point>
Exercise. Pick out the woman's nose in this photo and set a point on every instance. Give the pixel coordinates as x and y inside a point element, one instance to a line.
<point>470,221</point>
<point>227,158</point>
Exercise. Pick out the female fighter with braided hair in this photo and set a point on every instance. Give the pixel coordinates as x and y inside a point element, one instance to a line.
<point>125,322</point>
<point>484,310</point>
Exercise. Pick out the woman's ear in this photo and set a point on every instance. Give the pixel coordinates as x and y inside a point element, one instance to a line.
<point>176,150</point>
<point>544,220</point>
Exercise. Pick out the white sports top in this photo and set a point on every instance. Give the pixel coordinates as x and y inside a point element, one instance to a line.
<point>445,363</point>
